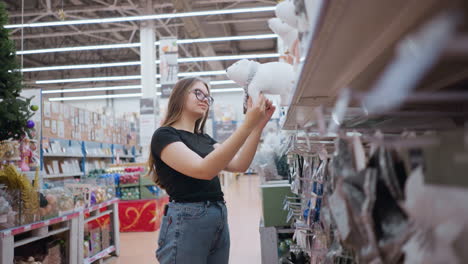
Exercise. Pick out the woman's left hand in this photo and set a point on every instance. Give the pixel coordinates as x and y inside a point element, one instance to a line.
<point>269,110</point>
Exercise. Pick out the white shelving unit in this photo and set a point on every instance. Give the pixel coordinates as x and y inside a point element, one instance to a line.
<point>127,157</point>
<point>63,155</point>
<point>357,48</point>
<point>64,175</point>
<point>73,223</point>
<point>99,156</point>
<point>346,50</point>
<point>100,255</point>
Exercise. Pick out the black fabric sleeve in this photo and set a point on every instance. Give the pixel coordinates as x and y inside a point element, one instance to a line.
<point>162,137</point>
<point>212,140</point>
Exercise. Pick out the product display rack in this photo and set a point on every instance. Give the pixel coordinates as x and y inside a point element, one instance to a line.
<point>86,147</point>
<point>338,53</point>
<point>345,62</point>
<point>73,223</point>
<point>95,212</point>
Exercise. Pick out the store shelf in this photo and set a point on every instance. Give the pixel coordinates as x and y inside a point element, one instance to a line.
<point>129,185</point>
<point>126,156</point>
<point>99,156</point>
<point>64,175</point>
<point>73,223</point>
<point>101,205</point>
<point>25,228</point>
<point>107,212</point>
<point>346,51</point>
<point>99,255</point>
<point>62,155</point>
<point>35,238</point>
<point>30,174</point>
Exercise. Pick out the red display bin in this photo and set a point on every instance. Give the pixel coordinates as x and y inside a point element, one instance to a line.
<point>141,215</point>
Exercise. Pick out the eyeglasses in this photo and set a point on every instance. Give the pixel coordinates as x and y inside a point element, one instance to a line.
<point>201,96</point>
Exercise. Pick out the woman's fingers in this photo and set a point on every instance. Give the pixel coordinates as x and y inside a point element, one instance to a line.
<point>269,103</point>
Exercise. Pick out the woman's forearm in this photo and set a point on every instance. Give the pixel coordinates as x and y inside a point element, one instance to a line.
<point>219,158</point>
<point>244,157</point>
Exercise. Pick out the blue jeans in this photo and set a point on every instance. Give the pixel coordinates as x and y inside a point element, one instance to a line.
<point>194,233</point>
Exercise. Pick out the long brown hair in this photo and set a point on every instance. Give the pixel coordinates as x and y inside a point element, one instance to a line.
<point>175,107</point>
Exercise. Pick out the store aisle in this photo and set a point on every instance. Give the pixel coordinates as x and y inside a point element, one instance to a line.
<point>244,209</point>
<point>244,205</point>
<point>136,247</point>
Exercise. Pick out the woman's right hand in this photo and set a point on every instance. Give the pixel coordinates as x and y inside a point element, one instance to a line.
<point>255,111</point>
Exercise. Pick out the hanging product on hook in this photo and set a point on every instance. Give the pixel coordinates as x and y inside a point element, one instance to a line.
<point>416,55</point>
<point>339,112</point>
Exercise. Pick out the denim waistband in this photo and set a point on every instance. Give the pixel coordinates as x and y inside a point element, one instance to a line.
<point>196,202</point>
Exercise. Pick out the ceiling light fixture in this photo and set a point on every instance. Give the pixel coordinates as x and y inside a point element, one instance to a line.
<point>95,97</point>
<point>116,88</point>
<point>136,63</point>
<point>92,89</point>
<point>142,18</point>
<point>137,45</point>
<point>128,77</point>
<point>91,79</point>
<point>116,96</point>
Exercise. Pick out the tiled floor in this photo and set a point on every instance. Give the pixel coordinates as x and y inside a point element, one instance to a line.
<point>244,209</point>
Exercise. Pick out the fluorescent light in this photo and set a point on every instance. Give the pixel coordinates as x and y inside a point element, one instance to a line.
<point>227,90</point>
<point>82,66</point>
<point>202,73</point>
<point>141,18</point>
<point>114,96</point>
<point>92,89</point>
<point>221,82</point>
<point>80,48</point>
<point>128,77</point>
<point>95,97</point>
<point>125,87</point>
<point>211,83</point>
<point>91,79</point>
<point>134,63</point>
<point>190,41</point>
<point>233,57</point>
<point>136,45</point>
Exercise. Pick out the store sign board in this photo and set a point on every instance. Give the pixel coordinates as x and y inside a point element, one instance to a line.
<point>168,66</point>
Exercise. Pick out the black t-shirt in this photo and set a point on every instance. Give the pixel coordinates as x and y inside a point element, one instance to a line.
<point>180,187</point>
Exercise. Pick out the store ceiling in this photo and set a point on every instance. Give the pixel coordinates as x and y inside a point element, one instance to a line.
<point>128,32</point>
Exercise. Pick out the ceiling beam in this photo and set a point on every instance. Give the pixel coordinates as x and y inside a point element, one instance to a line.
<point>69,33</point>
<point>30,21</point>
<point>85,9</point>
<point>33,62</point>
<point>194,30</point>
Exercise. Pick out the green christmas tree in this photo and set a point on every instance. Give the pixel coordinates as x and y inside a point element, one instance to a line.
<point>14,109</point>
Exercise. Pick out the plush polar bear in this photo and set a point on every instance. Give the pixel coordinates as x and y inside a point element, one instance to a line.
<point>296,13</point>
<point>286,12</point>
<point>287,33</point>
<point>270,78</point>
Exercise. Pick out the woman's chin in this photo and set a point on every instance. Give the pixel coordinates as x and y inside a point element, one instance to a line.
<point>199,113</point>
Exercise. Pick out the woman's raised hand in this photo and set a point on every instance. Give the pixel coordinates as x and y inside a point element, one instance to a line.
<point>258,113</point>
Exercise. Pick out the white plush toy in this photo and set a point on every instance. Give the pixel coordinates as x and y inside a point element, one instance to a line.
<point>270,78</point>
<point>286,12</point>
<point>287,33</point>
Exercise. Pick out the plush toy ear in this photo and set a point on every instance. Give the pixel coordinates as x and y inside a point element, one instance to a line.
<point>286,12</point>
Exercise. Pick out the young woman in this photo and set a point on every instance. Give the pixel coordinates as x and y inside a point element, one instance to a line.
<point>185,162</point>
